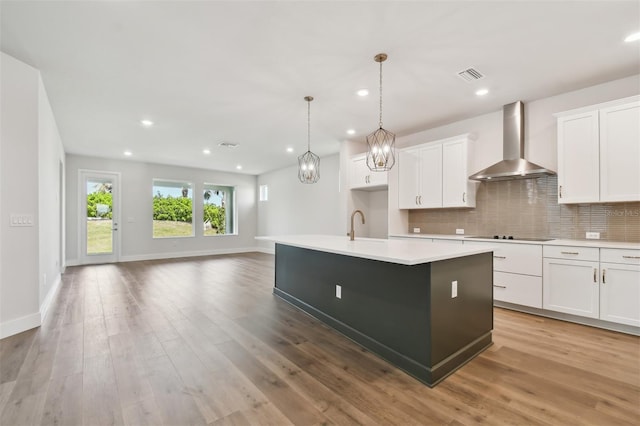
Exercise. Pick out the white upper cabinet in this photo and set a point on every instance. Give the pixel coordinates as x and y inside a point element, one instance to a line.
<point>435,175</point>
<point>620,153</point>
<point>457,189</point>
<point>599,153</point>
<point>360,177</point>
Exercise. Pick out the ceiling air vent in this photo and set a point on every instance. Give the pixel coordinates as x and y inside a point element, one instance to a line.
<point>470,74</point>
<point>228,144</point>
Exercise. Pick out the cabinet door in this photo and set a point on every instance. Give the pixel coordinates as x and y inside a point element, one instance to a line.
<point>519,289</point>
<point>377,179</point>
<point>408,178</point>
<point>578,158</point>
<point>430,194</point>
<point>620,153</point>
<point>455,182</point>
<point>571,286</point>
<point>620,293</point>
<point>359,172</point>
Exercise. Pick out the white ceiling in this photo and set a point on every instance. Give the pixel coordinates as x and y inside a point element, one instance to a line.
<point>213,71</point>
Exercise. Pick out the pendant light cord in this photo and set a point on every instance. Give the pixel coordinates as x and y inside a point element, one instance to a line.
<point>380,94</point>
<point>308,125</point>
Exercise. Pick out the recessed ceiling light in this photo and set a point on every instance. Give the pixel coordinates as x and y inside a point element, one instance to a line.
<point>128,153</point>
<point>239,167</point>
<point>351,132</point>
<point>482,92</point>
<point>206,151</point>
<point>362,92</point>
<point>632,37</point>
<point>289,149</point>
<point>146,123</point>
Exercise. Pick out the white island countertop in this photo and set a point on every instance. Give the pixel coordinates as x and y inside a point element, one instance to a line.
<point>404,252</point>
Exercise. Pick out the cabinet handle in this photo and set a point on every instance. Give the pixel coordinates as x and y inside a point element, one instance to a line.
<point>416,200</point>
<point>570,252</point>
<point>499,257</point>
<point>500,286</point>
<point>560,191</point>
<point>631,257</point>
<point>595,275</point>
<point>420,199</point>
<point>604,276</point>
<point>463,197</point>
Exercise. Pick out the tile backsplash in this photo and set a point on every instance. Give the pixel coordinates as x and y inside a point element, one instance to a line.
<point>529,208</point>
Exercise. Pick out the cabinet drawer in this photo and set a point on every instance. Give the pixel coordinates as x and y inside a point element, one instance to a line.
<point>518,258</point>
<point>572,252</point>
<point>628,257</point>
<point>519,289</point>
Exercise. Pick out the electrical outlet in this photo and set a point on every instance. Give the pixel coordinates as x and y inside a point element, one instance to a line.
<point>416,230</point>
<point>454,289</point>
<point>459,231</point>
<point>338,291</point>
<point>593,235</point>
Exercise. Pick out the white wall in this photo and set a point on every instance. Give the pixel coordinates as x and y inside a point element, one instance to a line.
<point>30,152</point>
<point>50,200</point>
<point>297,208</point>
<point>136,210</point>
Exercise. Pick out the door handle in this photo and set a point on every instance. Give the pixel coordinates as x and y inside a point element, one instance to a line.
<point>604,276</point>
<point>463,197</point>
<point>595,275</point>
<point>420,199</point>
<point>499,257</point>
<point>500,286</point>
<point>560,191</point>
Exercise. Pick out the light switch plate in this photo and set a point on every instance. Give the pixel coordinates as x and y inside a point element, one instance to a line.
<point>416,230</point>
<point>593,235</point>
<point>21,219</point>
<point>459,231</point>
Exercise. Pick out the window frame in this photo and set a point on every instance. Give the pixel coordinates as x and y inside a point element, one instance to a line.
<point>231,215</point>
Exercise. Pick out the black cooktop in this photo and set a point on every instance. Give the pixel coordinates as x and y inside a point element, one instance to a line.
<point>509,237</point>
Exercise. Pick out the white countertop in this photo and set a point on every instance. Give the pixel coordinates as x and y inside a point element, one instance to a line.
<point>405,252</point>
<point>555,242</point>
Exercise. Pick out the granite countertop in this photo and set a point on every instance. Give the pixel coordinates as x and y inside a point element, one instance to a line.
<point>405,252</point>
<point>553,242</point>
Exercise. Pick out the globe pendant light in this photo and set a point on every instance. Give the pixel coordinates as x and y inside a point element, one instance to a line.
<point>381,144</point>
<point>308,163</point>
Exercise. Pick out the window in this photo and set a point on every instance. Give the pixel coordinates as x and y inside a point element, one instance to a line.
<point>264,193</point>
<point>172,209</point>
<point>219,209</point>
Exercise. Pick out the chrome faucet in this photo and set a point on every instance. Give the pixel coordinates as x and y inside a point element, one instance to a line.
<point>352,233</point>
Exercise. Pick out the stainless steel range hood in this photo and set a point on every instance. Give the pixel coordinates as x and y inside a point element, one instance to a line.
<point>513,166</point>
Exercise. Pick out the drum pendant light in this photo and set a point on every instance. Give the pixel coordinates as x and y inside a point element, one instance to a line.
<point>308,163</point>
<point>381,144</point>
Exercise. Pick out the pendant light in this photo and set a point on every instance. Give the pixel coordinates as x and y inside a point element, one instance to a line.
<point>381,144</point>
<point>308,163</point>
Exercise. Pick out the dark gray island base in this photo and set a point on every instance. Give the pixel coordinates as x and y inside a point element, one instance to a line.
<point>403,313</point>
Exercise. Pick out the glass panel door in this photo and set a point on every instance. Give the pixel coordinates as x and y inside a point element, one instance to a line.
<point>99,217</point>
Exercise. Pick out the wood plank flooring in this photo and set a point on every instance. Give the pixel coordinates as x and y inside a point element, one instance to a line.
<point>203,341</point>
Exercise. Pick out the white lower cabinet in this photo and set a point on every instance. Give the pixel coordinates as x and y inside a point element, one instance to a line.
<point>603,285</point>
<point>520,289</point>
<point>571,286</point>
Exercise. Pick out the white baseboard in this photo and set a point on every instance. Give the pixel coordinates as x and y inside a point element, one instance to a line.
<point>18,325</point>
<point>179,254</point>
<point>265,250</point>
<point>44,307</point>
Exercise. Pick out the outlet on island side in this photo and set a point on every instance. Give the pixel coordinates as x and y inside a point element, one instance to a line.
<point>338,291</point>
<point>454,289</point>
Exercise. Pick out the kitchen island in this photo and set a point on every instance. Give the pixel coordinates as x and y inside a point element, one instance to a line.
<point>426,308</point>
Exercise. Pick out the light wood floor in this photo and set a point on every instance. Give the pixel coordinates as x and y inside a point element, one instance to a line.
<point>203,340</point>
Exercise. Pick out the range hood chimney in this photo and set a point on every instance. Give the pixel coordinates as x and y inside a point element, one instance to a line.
<point>513,165</point>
